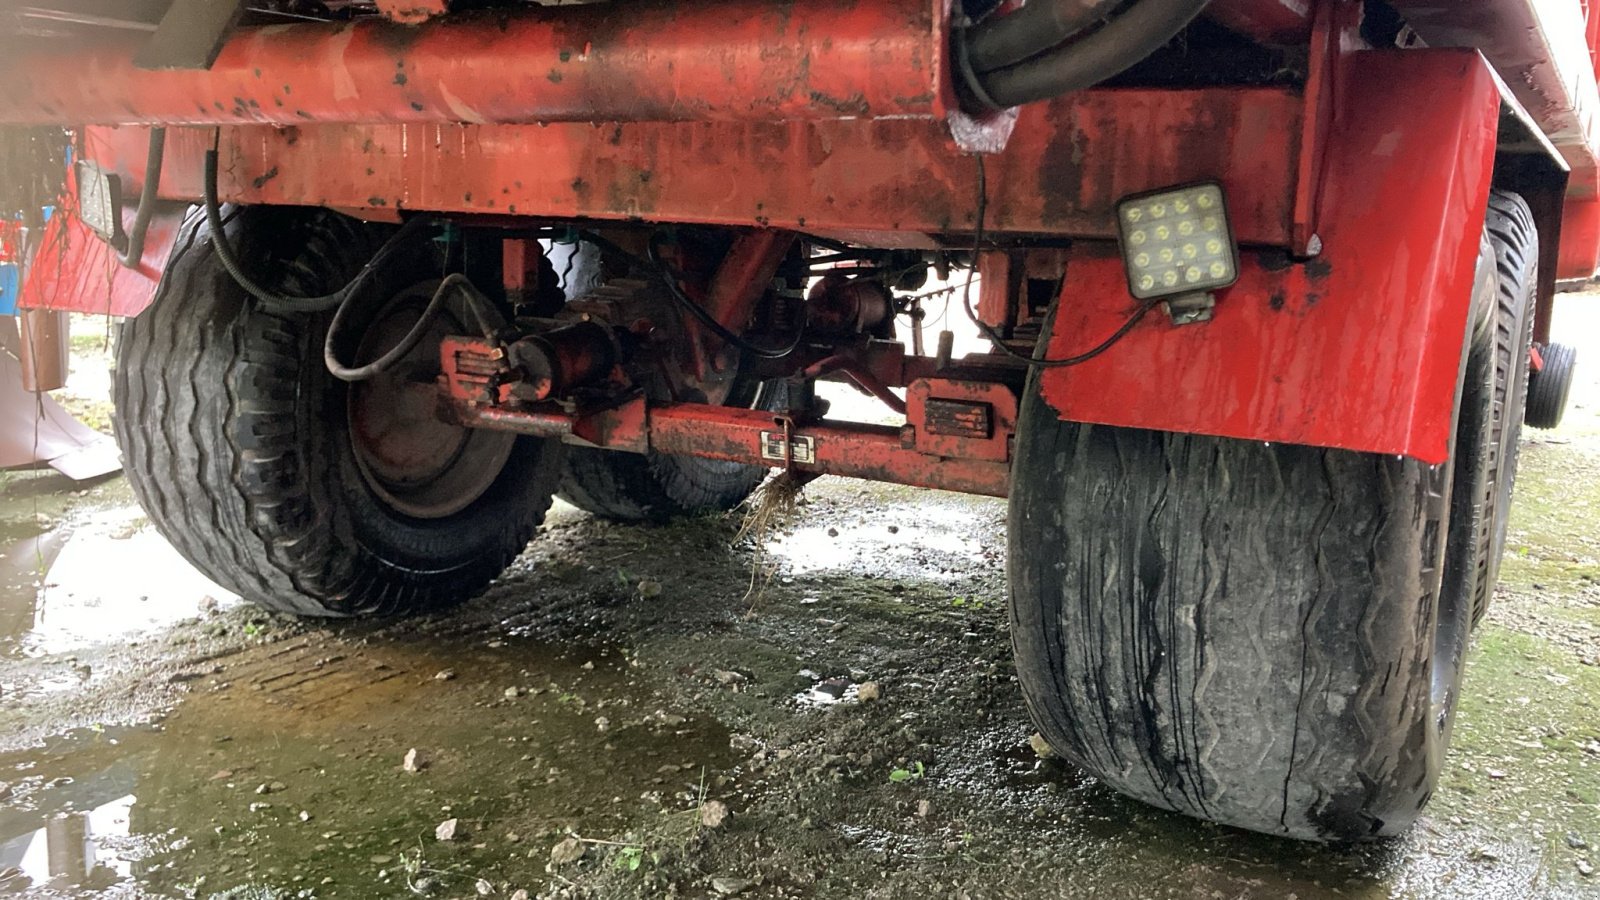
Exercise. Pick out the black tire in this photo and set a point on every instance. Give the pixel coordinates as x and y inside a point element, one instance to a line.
<point>241,447</point>
<point>1481,498</point>
<point>653,487</point>
<point>1548,388</point>
<point>1266,636</point>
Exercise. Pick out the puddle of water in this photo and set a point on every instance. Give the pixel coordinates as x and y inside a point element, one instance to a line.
<point>106,577</point>
<point>829,692</point>
<point>873,548</point>
<point>284,771</point>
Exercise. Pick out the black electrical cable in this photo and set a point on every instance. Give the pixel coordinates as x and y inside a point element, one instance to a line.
<point>132,250</point>
<point>994,336</point>
<point>1083,62</point>
<point>670,279</point>
<point>455,282</point>
<point>283,303</point>
<point>1005,40</point>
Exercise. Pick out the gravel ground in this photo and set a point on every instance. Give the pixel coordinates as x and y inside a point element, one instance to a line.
<point>665,711</point>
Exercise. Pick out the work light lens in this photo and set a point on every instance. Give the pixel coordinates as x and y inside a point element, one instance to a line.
<point>1170,256</point>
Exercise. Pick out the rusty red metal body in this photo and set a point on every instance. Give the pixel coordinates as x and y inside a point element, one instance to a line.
<point>894,182</point>
<point>647,61</point>
<point>1357,196</point>
<point>1358,348</point>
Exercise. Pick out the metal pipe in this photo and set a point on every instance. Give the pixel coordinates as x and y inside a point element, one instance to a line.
<point>132,249</point>
<point>753,60</point>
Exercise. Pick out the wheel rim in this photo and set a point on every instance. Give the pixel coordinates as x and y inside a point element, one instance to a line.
<point>417,462</point>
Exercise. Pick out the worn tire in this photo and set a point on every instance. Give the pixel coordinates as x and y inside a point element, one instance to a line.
<point>1548,388</point>
<point>1266,636</point>
<point>238,443</point>
<point>653,487</point>
<point>1481,500</point>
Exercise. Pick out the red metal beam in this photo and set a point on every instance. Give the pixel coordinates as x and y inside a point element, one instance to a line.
<point>647,61</point>
<point>1066,165</point>
<point>873,452</point>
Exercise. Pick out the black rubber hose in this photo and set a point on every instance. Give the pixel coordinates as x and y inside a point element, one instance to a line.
<point>1087,61</point>
<point>1001,41</point>
<point>133,248</point>
<point>451,283</point>
<point>283,303</point>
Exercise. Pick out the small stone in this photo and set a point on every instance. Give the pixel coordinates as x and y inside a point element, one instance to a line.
<point>1574,840</point>
<point>258,806</point>
<point>513,693</point>
<point>588,666</point>
<point>728,887</point>
<point>305,816</point>
<point>601,723</point>
<point>713,813</point>
<point>446,830</point>
<point>833,532</point>
<point>1495,774</point>
<point>413,761</point>
<point>649,589</point>
<point>924,808</point>
<point>726,676</point>
<point>444,675</point>
<point>1041,748</point>
<point>868,691</point>
<point>5,791</point>
<point>484,887</point>
<point>1584,868</point>
<point>894,529</point>
<point>519,894</point>
<point>568,851</point>
<point>271,787</point>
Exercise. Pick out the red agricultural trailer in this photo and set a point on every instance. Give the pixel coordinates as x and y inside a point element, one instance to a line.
<point>1266,284</point>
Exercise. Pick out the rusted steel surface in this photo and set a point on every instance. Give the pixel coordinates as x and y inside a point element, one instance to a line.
<point>412,12</point>
<point>1358,348</point>
<point>648,61</point>
<point>898,182</point>
<point>960,418</point>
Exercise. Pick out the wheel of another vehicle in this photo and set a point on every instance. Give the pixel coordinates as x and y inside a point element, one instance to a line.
<point>1266,636</point>
<point>1548,388</point>
<point>296,490</point>
<point>658,487</point>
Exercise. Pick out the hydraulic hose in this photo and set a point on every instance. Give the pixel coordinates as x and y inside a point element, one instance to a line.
<point>1084,62</point>
<point>1001,41</point>
<point>132,249</point>
<point>282,303</point>
<point>453,283</point>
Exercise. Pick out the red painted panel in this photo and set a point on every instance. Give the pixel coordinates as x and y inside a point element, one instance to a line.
<point>1359,348</point>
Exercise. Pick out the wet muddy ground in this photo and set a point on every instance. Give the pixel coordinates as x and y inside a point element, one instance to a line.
<point>622,715</point>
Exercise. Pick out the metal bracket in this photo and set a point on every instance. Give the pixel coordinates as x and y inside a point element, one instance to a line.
<point>1188,309</point>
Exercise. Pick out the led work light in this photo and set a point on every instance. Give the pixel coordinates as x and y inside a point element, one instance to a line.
<point>1177,241</point>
